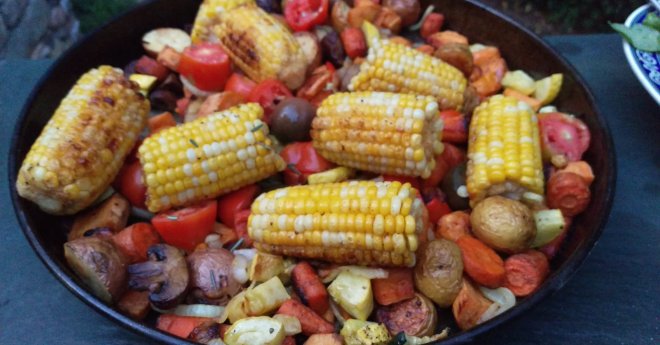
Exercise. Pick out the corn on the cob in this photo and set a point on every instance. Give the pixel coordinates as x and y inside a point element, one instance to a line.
<point>207,157</point>
<point>208,16</point>
<point>261,46</point>
<point>397,68</point>
<point>83,146</point>
<point>381,132</point>
<point>357,222</point>
<point>504,151</point>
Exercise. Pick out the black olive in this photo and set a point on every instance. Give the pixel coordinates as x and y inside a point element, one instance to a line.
<point>291,120</point>
<point>332,49</point>
<point>454,187</point>
<point>162,100</point>
<point>270,6</point>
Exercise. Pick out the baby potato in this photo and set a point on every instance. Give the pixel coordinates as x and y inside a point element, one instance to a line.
<point>439,271</point>
<point>504,224</point>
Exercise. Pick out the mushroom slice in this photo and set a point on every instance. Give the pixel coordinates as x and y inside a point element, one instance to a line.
<point>165,275</point>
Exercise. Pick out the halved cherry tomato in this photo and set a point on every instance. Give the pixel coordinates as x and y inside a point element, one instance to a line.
<point>205,65</point>
<point>187,227</point>
<point>302,160</point>
<point>240,84</point>
<point>414,181</point>
<point>230,204</point>
<point>269,93</point>
<point>437,208</point>
<point>563,134</point>
<point>302,15</point>
<point>130,182</point>
<point>455,127</point>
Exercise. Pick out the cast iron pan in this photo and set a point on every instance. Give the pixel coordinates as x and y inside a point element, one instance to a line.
<point>120,41</point>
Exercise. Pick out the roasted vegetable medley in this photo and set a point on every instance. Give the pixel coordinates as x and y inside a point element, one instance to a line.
<point>312,171</point>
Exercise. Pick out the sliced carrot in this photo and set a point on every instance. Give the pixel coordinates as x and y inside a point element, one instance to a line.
<point>481,262</point>
<point>219,102</point>
<point>582,169</point>
<point>309,287</point>
<point>454,225</point>
<point>311,322</point>
<point>489,70</point>
<point>525,272</point>
<point>469,305</point>
<point>161,121</point>
<point>534,103</point>
<point>135,240</point>
<point>398,286</point>
<point>135,304</point>
<point>181,326</point>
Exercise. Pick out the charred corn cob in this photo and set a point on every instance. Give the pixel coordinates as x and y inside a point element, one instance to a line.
<point>207,157</point>
<point>397,68</point>
<point>357,222</point>
<point>504,151</point>
<point>261,46</point>
<point>208,16</point>
<point>380,132</point>
<point>83,146</point>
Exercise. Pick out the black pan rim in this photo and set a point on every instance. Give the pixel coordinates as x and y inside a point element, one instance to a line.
<point>555,282</point>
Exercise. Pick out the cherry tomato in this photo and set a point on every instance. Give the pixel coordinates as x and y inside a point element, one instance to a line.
<point>562,134</point>
<point>269,93</point>
<point>414,181</point>
<point>130,182</point>
<point>455,127</point>
<point>185,228</point>
<point>205,65</point>
<point>302,160</point>
<point>240,225</point>
<point>437,209</point>
<point>240,84</point>
<point>230,204</point>
<point>302,15</point>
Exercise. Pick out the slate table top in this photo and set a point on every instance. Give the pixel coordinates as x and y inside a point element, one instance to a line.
<point>614,298</point>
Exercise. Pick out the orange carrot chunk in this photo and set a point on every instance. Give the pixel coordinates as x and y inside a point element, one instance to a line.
<point>161,121</point>
<point>454,225</point>
<point>311,322</point>
<point>398,286</point>
<point>481,262</point>
<point>581,168</point>
<point>309,287</point>
<point>568,192</point>
<point>534,103</point>
<point>181,326</point>
<point>525,272</point>
<point>135,240</point>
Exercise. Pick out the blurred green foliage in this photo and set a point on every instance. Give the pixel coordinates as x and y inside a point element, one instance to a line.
<point>94,13</point>
<point>585,15</point>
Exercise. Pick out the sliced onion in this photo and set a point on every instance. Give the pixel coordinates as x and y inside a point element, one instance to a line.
<point>193,89</point>
<point>412,340</point>
<point>503,299</point>
<point>213,240</point>
<point>418,26</point>
<point>336,312</point>
<point>365,272</point>
<point>291,324</point>
<point>239,268</point>
<point>196,310</point>
<point>249,254</point>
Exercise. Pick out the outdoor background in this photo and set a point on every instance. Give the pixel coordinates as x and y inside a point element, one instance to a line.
<point>44,28</point>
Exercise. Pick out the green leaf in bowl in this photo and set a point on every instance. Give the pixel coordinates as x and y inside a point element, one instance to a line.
<point>639,36</point>
<point>653,21</point>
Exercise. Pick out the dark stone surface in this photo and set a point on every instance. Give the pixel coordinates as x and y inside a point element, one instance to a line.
<point>613,299</point>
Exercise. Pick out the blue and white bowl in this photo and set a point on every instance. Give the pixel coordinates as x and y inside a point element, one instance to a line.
<point>646,65</point>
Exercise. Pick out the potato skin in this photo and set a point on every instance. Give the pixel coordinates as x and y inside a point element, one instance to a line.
<point>504,224</point>
<point>416,316</point>
<point>439,271</point>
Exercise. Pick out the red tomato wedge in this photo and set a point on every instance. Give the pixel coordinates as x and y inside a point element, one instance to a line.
<point>437,208</point>
<point>302,160</point>
<point>562,134</point>
<point>302,15</point>
<point>269,93</point>
<point>240,84</point>
<point>455,127</point>
<point>130,182</point>
<point>185,228</point>
<point>205,65</point>
<point>230,204</point>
